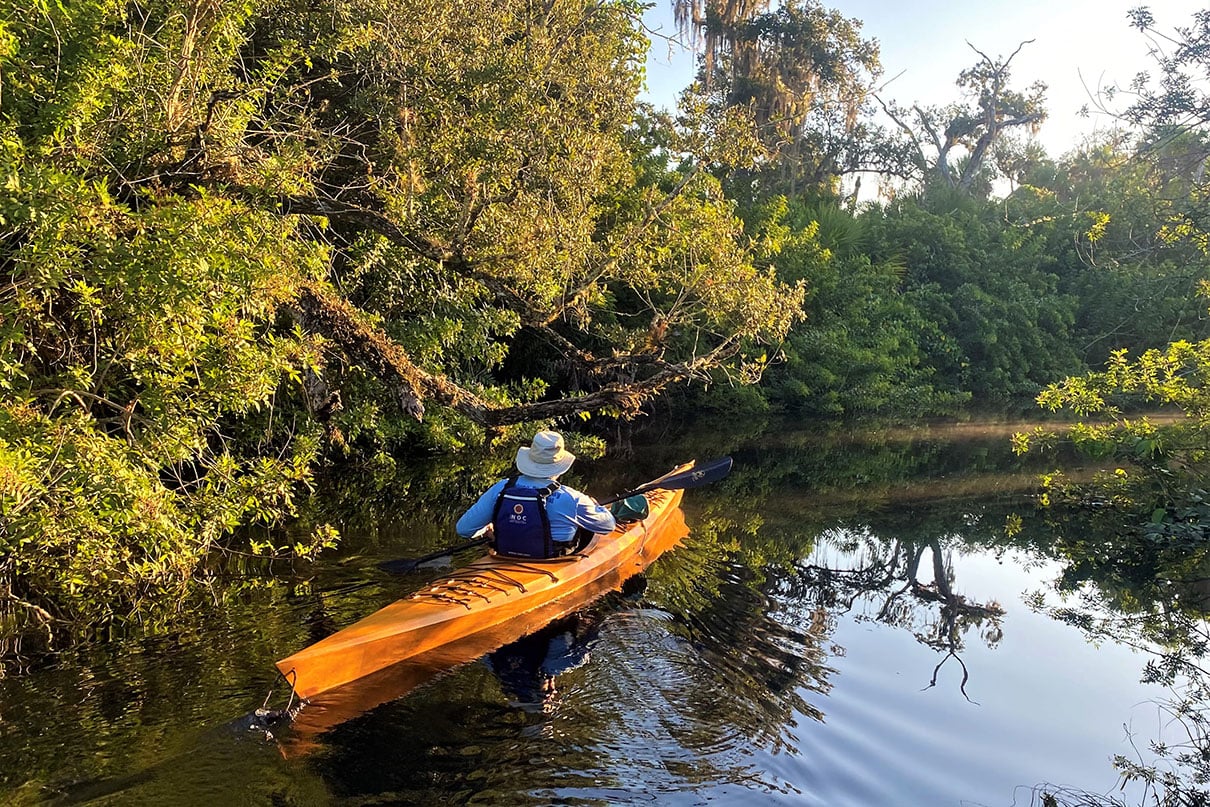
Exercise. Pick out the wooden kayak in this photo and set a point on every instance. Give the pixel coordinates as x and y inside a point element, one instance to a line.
<point>485,595</point>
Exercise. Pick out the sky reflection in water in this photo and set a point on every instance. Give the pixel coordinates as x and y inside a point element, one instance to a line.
<point>1048,709</point>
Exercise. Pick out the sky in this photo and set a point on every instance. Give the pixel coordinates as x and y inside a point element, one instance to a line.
<point>1079,45</point>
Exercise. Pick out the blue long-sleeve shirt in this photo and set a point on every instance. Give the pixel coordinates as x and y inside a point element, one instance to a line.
<point>566,508</point>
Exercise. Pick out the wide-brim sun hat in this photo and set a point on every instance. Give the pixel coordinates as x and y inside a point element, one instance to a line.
<point>546,457</point>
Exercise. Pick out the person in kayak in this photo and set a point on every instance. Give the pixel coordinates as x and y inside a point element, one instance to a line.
<point>531,514</point>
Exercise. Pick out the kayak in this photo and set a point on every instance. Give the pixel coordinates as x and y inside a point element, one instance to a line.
<point>480,597</point>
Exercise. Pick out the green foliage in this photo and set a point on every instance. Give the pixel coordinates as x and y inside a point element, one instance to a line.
<point>803,72</point>
<point>130,338</point>
<point>93,530</point>
<point>998,327</point>
<point>175,179</point>
<point>476,183</point>
<point>1102,210</point>
<point>858,349</point>
<point>1172,455</point>
<point>141,354</point>
<point>538,218</point>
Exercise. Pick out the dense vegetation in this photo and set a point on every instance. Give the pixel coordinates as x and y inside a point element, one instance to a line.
<point>250,244</point>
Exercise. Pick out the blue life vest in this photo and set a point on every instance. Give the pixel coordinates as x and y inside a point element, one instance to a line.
<point>520,523</point>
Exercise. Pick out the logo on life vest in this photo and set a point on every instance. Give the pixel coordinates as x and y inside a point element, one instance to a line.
<point>518,516</point>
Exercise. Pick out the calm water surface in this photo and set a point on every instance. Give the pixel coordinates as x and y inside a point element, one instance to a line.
<point>799,648</point>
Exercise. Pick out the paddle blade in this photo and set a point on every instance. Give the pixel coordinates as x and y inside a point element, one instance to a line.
<point>696,476</point>
<point>399,565</point>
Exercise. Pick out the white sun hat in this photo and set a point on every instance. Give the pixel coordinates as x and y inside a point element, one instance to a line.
<point>546,457</point>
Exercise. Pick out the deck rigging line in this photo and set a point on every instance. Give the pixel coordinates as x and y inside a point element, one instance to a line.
<point>458,587</point>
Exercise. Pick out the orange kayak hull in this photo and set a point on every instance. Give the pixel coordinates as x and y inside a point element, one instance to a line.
<point>484,597</point>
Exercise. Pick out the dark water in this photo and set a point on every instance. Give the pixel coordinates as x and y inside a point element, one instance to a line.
<point>849,623</point>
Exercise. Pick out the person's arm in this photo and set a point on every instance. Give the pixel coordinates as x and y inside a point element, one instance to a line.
<point>592,516</point>
<point>480,513</point>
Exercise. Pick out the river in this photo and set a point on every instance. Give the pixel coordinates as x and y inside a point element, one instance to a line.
<point>857,618</point>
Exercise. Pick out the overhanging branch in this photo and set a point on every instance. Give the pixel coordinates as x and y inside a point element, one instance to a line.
<point>412,387</point>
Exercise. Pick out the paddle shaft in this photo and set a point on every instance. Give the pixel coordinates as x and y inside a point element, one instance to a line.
<point>407,564</point>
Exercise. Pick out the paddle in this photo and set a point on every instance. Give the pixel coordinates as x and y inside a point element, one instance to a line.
<point>693,477</point>
<point>405,565</point>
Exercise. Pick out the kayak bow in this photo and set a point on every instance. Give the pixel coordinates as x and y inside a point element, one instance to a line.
<point>485,594</point>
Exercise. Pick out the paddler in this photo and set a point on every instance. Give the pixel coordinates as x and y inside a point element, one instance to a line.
<point>531,514</point>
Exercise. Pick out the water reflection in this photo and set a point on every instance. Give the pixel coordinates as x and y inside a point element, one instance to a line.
<point>1126,584</point>
<point>885,575</point>
<point>636,712</point>
<point>782,654</point>
<point>528,668</point>
<point>757,670</point>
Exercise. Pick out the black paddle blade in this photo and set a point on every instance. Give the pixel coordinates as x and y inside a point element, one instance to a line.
<point>696,476</point>
<point>399,565</point>
<point>704,474</point>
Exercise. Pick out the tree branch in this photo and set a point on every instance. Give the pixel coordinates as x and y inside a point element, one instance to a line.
<point>921,160</point>
<point>411,386</point>
<point>344,325</point>
<point>369,219</point>
<point>626,243</point>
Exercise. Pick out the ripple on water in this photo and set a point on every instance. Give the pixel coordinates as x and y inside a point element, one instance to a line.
<point>670,718</point>
<point>887,737</point>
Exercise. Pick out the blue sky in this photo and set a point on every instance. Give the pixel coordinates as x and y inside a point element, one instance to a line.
<point>1078,44</point>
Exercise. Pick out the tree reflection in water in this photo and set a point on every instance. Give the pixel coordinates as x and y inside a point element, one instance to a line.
<point>888,574</point>
<point>732,639</point>
<point>1122,585</point>
<point>672,699</point>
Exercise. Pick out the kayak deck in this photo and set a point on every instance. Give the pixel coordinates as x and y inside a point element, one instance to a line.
<point>484,594</point>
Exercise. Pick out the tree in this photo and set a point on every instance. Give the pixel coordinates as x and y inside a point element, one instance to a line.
<point>995,323</point>
<point>1172,145</point>
<point>712,23</point>
<point>533,204</point>
<point>225,221</point>
<point>1100,209</point>
<point>975,126</point>
<point>804,74</point>
<point>858,350</point>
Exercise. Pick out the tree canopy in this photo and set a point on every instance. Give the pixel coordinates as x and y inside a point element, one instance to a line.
<point>235,232</point>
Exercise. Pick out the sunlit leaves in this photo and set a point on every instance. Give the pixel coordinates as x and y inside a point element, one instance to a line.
<point>693,268</point>
<point>1100,220</point>
<point>1175,375</point>
<point>150,155</point>
<point>131,332</point>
